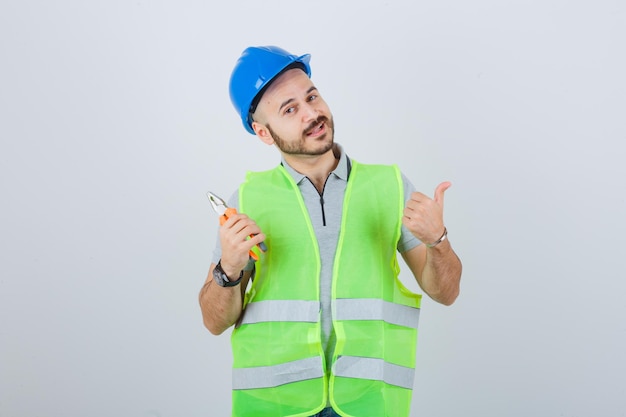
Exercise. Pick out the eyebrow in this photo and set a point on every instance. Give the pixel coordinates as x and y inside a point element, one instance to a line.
<point>286,102</point>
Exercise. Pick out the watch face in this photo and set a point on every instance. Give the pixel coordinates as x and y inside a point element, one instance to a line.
<point>219,276</point>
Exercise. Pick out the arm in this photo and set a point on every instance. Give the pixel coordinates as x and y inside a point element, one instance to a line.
<point>222,306</point>
<point>436,269</point>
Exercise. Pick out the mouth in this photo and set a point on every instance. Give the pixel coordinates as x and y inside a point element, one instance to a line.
<point>317,130</point>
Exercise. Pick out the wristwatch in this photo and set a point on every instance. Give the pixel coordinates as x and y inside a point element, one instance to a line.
<point>220,277</point>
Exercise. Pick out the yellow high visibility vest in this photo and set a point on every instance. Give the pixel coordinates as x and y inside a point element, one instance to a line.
<point>278,359</point>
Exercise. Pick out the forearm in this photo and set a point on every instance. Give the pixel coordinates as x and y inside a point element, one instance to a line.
<point>441,275</point>
<point>221,306</point>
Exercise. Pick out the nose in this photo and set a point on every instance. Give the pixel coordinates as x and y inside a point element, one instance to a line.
<point>310,113</point>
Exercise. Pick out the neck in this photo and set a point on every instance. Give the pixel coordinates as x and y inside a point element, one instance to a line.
<point>315,167</point>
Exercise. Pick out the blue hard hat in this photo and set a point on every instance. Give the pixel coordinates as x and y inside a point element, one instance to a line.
<point>255,69</point>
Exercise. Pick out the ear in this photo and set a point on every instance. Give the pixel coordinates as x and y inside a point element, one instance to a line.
<point>263,133</point>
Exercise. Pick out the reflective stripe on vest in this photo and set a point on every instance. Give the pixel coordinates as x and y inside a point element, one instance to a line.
<point>376,309</point>
<point>374,369</point>
<point>347,309</point>
<point>276,375</point>
<point>351,367</point>
<point>281,310</point>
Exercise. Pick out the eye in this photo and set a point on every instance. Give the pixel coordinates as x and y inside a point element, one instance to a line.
<point>312,97</point>
<point>290,110</point>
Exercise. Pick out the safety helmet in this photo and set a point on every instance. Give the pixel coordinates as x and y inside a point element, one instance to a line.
<point>255,69</point>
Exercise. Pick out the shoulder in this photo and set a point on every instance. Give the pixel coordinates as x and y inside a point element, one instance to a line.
<point>390,169</point>
<point>263,175</point>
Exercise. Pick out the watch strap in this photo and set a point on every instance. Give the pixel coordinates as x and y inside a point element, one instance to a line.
<point>223,280</point>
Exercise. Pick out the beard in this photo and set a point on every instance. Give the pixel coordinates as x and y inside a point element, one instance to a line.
<point>321,145</point>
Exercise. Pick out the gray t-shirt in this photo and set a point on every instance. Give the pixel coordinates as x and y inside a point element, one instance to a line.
<point>325,212</point>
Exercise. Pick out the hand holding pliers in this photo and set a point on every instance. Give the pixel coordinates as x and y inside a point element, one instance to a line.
<point>225,212</point>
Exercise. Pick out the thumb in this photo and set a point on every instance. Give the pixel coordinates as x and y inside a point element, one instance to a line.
<point>441,188</point>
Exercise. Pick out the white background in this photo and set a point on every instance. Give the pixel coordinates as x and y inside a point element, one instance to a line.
<point>115,120</point>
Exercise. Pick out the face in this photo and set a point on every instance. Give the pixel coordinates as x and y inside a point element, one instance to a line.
<point>293,115</point>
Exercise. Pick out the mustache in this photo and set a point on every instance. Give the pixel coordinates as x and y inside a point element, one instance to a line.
<point>315,123</point>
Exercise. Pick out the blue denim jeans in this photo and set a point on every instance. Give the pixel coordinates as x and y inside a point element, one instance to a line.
<point>327,412</point>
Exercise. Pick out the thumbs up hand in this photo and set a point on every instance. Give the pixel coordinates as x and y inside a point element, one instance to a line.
<point>423,216</point>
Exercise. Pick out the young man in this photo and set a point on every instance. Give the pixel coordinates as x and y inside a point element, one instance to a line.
<point>325,328</point>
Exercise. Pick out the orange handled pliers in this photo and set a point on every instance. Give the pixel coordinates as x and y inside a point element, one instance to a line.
<point>225,212</point>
